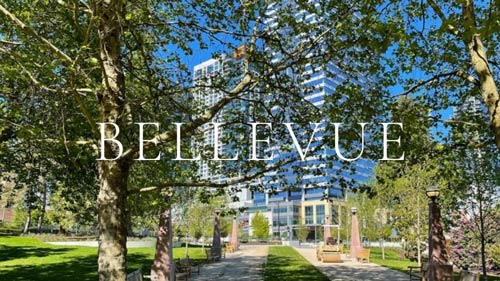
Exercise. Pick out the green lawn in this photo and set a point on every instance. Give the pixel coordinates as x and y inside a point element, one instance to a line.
<point>394,261</point>
<point>26,258</point>
<point>284,263</point>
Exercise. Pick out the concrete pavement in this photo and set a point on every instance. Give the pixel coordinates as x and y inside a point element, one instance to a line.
<point>246,264</point>
<point>351,270</point>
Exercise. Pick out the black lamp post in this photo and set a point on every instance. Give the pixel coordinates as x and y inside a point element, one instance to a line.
<point>216,245</point>
<point>439,267</point>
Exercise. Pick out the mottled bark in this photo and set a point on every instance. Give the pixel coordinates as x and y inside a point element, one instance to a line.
<point>488,87</point>
<point>27,223</point>
<point>481,66</point>
<point>113,175</point>
<point>112,223</point>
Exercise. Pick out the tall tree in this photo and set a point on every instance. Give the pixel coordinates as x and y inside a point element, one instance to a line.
<point>445,52</point>
<point>94,66</point>
<point>402,185</point>
<point>476,183</point>
<point>260,226</point>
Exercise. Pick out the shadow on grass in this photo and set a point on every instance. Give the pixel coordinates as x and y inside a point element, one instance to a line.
<point>8,252</point>
<point>27,259</point>
<point>83,268</point>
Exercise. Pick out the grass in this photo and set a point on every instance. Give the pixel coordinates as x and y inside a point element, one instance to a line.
<point>285,263</point>
<point>393,260</point>
<point>28,259</point>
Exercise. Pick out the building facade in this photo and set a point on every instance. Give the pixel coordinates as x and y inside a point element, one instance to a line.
<point>302,200</point>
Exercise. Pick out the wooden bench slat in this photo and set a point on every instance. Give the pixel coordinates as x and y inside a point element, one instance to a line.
<point>364,255</point>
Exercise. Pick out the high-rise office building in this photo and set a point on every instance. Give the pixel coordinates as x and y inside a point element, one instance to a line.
<point>472,106</point>
<point>299,200</point>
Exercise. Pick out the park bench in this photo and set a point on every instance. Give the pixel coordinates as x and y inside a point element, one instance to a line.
<point>418,272</point>
<point>179,275</point>
<point>364,255</point>
<point>185,265</point>
<point>468,276</point>
<point>328,253</point>
<point>135,275</point>
<point>210,256</point>
<point>230,248</point>
<point>331,257</point>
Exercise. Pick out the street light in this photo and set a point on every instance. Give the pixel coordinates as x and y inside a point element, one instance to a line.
<point>432,192</point>
<point>439,267</point>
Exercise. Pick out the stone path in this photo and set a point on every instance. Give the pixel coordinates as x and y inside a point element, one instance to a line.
<point>245,264</point>
<point>351,270</point>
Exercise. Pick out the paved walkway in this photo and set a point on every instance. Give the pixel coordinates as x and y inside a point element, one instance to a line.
<point>351,270</point>
<point>245,264</point>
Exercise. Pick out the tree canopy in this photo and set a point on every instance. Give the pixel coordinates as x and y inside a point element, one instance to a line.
<point>71,69</point>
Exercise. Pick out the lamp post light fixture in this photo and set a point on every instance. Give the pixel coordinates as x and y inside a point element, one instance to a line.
<point>432,192</point>
<point>439,267</point>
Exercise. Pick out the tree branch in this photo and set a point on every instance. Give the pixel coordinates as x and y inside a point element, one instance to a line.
<point>59,53</point>
<point>247,81</point>
<point>451,28</point>
<point>459,73</point>
<point>191,126</point>
<point>10,42</point>
<point>230,182</point>
<point>30,31</point>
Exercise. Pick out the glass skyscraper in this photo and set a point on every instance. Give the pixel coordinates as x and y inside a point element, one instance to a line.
<point>289,200</point>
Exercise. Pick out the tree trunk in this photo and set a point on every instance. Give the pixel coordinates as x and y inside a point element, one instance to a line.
<point>28,220</point>
<point>44,207</point>
<point>112,227</point>
<point>187,243</point>
<point>383,249</point>
<point>489,89</point>
<point>160,271</point>
<point>483,239</point>
<point>128,221</point>
<point>419,251</point>
<point>113,175</point>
